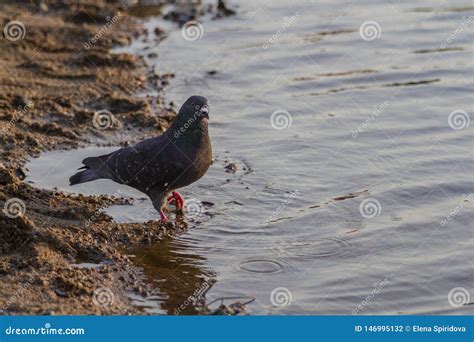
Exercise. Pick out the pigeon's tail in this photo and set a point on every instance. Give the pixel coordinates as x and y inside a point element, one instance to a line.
<point>93,170</point>
<point>83,177</point>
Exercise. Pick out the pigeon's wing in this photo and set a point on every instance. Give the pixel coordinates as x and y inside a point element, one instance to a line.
<point>149,164</point>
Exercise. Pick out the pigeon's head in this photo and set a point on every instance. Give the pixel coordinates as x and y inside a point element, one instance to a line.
<point>192,118</point>
<point>195,109</point>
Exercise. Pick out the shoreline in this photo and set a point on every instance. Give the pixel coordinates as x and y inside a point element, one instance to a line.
<point>53,83</point>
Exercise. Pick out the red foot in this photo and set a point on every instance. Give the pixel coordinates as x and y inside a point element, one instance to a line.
<point>164,218</point>
<point>179,201</point>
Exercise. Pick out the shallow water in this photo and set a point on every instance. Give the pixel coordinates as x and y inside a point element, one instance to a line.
<point>363,205</point>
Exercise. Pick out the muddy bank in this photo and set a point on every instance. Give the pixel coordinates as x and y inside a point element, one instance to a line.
<point>62,88</point>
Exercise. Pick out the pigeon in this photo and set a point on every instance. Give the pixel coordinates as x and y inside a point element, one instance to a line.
<point>159,166</point>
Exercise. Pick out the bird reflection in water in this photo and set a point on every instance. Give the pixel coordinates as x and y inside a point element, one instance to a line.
<point>178,273</point>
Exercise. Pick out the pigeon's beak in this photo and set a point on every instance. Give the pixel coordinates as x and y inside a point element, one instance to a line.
<point>204,111</point>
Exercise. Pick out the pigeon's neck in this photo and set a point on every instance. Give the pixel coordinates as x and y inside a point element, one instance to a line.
<point>194,134</point>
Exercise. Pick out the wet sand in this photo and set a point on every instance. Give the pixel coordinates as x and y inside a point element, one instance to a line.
<point>55,259</point>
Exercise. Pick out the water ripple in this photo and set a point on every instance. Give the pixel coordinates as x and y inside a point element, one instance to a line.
<point>332,247</point>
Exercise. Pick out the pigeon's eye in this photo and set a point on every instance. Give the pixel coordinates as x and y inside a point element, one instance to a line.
<point>192,103</point>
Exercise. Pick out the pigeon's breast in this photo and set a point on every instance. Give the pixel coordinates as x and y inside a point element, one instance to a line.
<point>198,160</point>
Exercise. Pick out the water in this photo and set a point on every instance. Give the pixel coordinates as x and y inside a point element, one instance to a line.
<point>363,204</point>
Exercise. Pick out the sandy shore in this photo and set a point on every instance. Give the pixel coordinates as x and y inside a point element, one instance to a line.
<point>54,76</point>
